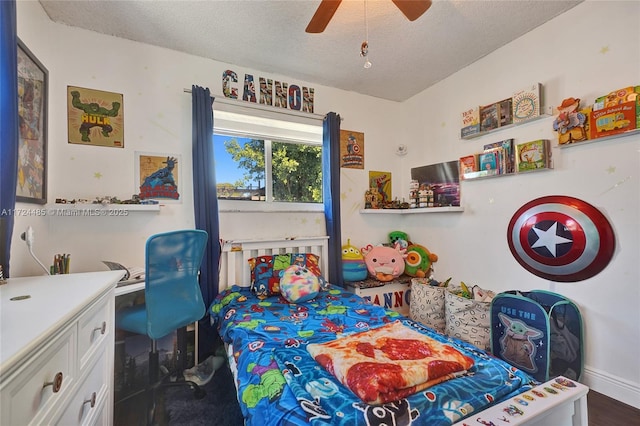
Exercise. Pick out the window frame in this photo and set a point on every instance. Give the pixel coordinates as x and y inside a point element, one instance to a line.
<point>241,129</point>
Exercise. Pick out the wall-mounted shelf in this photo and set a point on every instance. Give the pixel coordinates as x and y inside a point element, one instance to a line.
<point>482,175</point>
<point>546,114</point>
<point>604,138</point>
<point>452,209</point>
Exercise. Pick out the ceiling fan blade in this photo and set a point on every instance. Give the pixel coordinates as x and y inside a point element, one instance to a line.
<point>413,9</point>
<point>323,15</point>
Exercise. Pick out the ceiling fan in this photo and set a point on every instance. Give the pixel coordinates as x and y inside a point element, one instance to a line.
<point>412,9</point>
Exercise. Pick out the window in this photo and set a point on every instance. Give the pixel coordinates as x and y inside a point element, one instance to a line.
<point>276,164</point>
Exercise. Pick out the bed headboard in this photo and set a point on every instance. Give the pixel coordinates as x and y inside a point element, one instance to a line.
<point>234,261</point>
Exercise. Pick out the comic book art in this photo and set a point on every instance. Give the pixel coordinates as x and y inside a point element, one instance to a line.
<point>381,181</point>
<point>32,132</point>
<point>158,176</point>
<point>95,117</point>
<point>351,149</point>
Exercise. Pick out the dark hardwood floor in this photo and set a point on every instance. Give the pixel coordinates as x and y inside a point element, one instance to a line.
<point>605,411</point>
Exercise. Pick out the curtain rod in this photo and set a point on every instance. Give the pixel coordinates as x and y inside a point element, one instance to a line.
<point>235,102</point>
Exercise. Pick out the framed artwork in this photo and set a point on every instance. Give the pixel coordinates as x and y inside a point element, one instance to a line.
<point>351,149</point>
<point>158,176</point>
<point>95,117</point>
<point>382,182</point>
<point>443,179</point>
<point>33,86</point>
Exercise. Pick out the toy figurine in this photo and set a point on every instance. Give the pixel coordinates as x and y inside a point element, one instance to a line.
<point>372,198</point>
<point>570,122</point>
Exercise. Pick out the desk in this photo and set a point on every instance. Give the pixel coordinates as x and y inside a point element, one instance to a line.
<point>130,286</point>
<point>132,353</point>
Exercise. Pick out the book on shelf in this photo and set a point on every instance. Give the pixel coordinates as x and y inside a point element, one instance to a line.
<point>470,122</point>
<point>489,117</point>
<point>505,108</point>
<point>508,154</point>
<point>526,103</point>
<point>490,161</point>
<point>468,164</point>
<point>534,155</point>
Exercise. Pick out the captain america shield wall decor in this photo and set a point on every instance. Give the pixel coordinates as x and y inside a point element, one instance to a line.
<point>561,238</point>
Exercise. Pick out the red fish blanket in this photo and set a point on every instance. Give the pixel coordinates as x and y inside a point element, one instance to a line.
<point>389,363</point>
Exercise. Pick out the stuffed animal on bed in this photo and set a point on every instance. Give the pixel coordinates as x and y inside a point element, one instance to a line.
<point>353,266</point>
<point>298,284</point>
<point>419,261</point>
<point>384,263</point>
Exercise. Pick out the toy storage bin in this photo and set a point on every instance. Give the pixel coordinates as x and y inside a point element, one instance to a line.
<point>427,304</point>
<point>539,332</point>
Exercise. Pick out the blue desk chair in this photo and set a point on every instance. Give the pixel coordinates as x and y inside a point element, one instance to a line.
<point>173,299</point>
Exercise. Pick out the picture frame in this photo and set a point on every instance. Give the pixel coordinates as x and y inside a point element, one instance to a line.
<point>158,176</point>
<point>382,182</point>
<point>33,87</point>
<point>351,149</point>
<point>95,117</point>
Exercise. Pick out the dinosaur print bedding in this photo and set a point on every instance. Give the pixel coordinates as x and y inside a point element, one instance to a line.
<point>281,383</point>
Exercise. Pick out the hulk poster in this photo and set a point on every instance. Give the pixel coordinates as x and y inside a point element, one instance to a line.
<point>95,117</point>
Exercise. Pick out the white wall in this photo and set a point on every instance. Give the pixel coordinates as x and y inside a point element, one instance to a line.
<point>571,57</point>
<point>157,119</point>
<point>566,55</point>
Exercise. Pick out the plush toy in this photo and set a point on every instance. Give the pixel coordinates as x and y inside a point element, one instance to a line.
<point>384,263</point>
<point>419,261</point>
<point>353,266</point>
<point>399,237</point>
<point>298,284</point>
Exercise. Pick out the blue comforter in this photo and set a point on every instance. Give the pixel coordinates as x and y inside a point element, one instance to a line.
<point>281,384</point>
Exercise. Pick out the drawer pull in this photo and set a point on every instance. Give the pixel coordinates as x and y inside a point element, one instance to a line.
<point>91,401</point>
<point>102,328</point>
<point>56,384</point>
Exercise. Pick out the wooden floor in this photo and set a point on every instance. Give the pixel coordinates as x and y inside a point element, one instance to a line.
<point>605,411</point>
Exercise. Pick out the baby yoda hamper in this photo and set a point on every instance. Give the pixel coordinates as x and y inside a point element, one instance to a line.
<point>539,332</point>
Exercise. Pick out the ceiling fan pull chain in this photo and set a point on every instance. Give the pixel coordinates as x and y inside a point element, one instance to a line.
<point>364,47</point>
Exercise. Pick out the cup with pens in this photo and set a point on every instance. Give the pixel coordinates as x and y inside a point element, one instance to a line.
<point>60,264</point>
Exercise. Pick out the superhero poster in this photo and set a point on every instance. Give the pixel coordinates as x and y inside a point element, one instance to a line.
<point>382,182</point>
<point>158,176</point>
<point>95,117</point>
<point>351,149</point>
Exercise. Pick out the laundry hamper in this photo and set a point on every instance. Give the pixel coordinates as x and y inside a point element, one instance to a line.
<point>539,332</point>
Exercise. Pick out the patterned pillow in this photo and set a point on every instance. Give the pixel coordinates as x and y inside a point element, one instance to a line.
<point>266,270</point>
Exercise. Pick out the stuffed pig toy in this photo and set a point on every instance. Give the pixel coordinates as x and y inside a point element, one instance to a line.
<point>384,263</point>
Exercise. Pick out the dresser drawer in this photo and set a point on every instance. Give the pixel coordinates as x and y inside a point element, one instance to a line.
<point>31,392</point>
<point>87,404</point>
<point>93,327</point>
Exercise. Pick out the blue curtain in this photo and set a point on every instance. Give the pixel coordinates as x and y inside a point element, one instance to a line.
<point>331,194</point>
<point>205,200</point>
<point>8,127</point>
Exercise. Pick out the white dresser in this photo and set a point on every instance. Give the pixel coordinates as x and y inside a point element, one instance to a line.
<point>56,349</point>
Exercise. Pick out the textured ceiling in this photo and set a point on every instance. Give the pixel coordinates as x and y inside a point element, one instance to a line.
<point>269,36</point>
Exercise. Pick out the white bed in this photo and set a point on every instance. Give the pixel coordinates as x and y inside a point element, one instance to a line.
<point>537,406</point>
